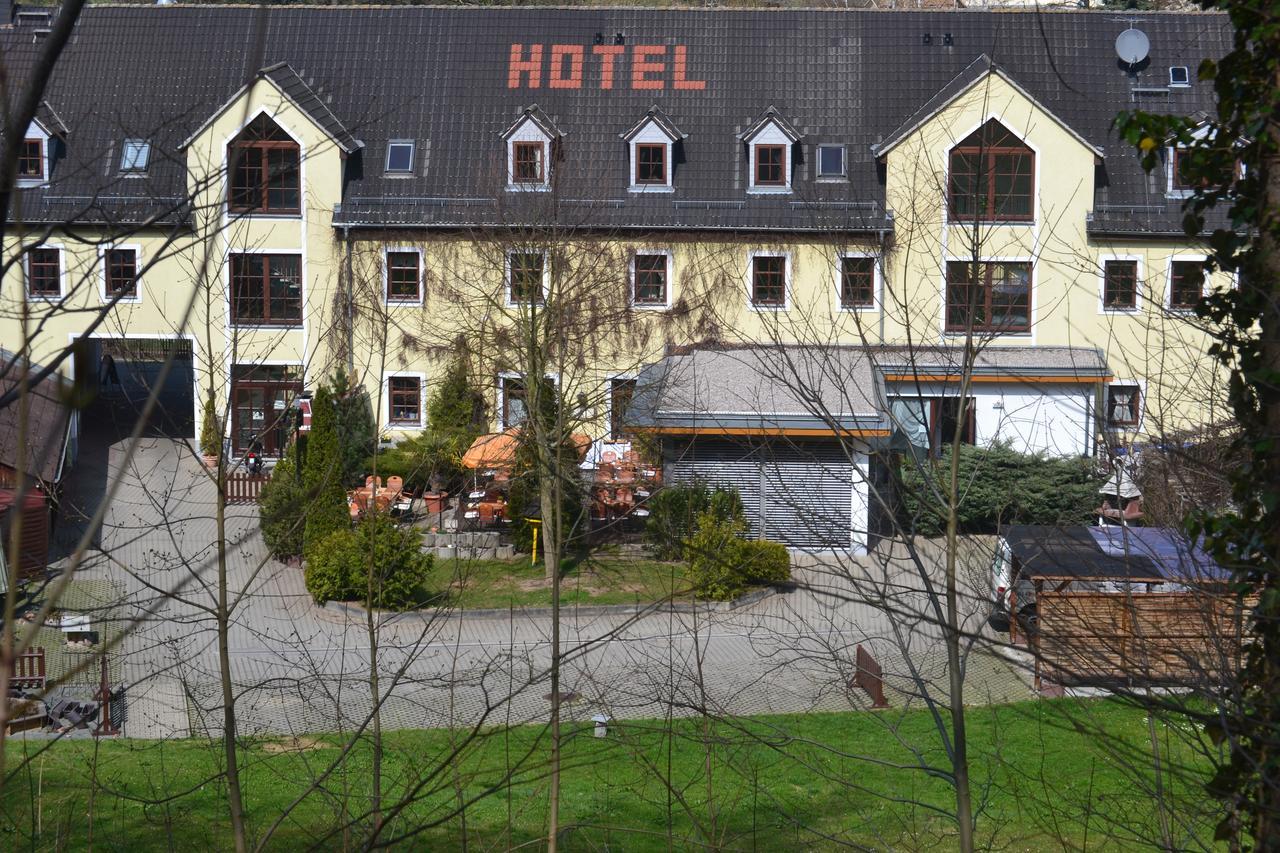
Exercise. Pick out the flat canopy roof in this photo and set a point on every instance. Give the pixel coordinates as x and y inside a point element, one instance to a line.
<point>1111,553</point>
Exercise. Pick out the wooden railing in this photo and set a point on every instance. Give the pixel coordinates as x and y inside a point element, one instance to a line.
<point>245,488</point>
<point>28,670</point>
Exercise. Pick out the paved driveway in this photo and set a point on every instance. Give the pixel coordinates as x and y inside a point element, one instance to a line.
<point>302,668</point>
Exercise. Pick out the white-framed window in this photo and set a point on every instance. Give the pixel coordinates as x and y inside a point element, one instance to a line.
<point>406,396</point>
<point>1186,282</point>
<point>400,157</point>
<point>857,280</point>
<point>651,279</point>
<point>652,166</point>
<point>528,158</point>
<point>770,153</point>
<point>1120,282</point>
<point>402,275</point>
<point>831,161</point>
<point>621,391</point>
<point>768,280</point>
<point>1123,404</point>
<point>513,397</point>
<point>527,276</point>
<point>1179,76</point>
<point>35,157</point>
<point>119,270</point>
<point>43,271</point>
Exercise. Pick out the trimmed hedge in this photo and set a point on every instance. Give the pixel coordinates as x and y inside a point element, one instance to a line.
<point>675,513</point>
<point>723,566</point>
<point>999,486</point>
<point>338,570</point>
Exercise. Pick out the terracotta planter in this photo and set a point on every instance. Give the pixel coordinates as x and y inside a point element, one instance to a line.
<point>210,462</point>
<point>434,501</point>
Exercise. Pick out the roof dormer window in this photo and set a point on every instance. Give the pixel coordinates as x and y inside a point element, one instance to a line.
<point>31,160</point>
<point>770,141</point>
<point>532,145</point>
<point>400,157</point>
<point>135,156</point>
<point>651,145</point>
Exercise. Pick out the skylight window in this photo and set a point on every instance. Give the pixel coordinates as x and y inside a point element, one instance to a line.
<point>831,161</point>
<point>1179,75</point>
<point>135,155</point>
<point>400,156</point>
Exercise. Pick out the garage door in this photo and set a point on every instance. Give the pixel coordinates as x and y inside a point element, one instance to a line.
<point>799,494</point>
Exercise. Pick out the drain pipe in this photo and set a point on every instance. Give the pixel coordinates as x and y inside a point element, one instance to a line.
<point>350,307</point>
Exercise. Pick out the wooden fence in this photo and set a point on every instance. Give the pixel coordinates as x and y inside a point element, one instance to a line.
<point>1141,638</point>
<point>28,670</point>
<point>245,488</point>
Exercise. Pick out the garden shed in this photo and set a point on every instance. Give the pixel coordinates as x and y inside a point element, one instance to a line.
<point>1120,605</point>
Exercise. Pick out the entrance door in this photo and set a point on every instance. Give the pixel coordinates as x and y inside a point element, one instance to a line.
<point>262,398</point>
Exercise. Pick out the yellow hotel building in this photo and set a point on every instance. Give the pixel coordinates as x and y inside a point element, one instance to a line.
<point>291,190</point>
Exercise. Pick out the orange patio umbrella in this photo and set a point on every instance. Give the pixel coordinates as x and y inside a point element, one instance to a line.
<point>498,449</point>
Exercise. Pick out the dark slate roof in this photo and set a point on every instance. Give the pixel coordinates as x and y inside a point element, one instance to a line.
<point>1110,553</point>
<point>439,75</point>
<point>48,418</point>
<point>283,75</point>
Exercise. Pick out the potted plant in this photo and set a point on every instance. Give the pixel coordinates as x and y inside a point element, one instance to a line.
<point>210,434</point>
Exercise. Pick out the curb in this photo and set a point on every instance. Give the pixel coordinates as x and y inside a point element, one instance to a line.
<point>351,609</point>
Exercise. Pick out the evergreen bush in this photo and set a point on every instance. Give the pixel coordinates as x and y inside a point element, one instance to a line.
<point>280,507</point>
<point>357,432</point>
<point>339,570</point>
<point>999,486</point>
<point>210,432</point>
<point>324,498</point>
<point>723,566</point>
<point>674,512</point>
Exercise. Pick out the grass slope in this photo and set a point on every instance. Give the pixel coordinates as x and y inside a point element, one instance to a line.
<point>1049,774</point>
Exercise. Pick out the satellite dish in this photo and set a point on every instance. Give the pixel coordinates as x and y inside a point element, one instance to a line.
<point>1132,46</point>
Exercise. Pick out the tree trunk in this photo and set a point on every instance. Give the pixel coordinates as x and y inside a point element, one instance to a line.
<point>224,669</point>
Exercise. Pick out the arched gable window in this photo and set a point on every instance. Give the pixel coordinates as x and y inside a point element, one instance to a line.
<point>992,177</point>
<point>263,166</point>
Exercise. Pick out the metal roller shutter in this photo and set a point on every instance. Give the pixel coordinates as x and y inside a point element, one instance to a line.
<point>799,494</point>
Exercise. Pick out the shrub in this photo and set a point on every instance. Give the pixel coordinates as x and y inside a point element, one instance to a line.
<point>325,499</point>
<point>999,486</point>
<point>210,432</point>
<point>357,433</point>
<point>419,459</point>
<point>280,508</point>
<point>524,496</point>
<point>675,510</point>
<point>723,566</point>
<point>338,570</point>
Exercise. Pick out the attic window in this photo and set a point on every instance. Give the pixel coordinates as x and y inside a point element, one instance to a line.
<point>264,170</point>
<point>31,159</point>
<point>830,161</point>
<point>527,163</point>
<point>1179,75</point>
<point>135,155</point>
<point>400,156</point>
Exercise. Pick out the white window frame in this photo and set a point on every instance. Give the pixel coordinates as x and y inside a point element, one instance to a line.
<point>136,299</point>
<point>786,278</point>
<point>631,280</point>
<point>818,174</point>
<point>770,134</point>
<point>528,131</point>
<point>839,281</point>
<point>62,274</point>
<point>651,134</point>
<point>406,426</point>
<point>608,422</point>
<point>501,393</point>
<point>1183,85</point>
<point>1167,303</point>
<point>37,133</point>
<point>413,158</point>
<point>1102,285</point>
<point>386,278</point>
<point>1141,385</point>
<point>506,275</point>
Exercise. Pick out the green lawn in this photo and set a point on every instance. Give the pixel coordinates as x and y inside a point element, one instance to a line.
<point>474,584</point>
<point>812,782</point>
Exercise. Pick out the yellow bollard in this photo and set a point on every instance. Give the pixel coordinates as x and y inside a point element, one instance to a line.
<point>534,522</point>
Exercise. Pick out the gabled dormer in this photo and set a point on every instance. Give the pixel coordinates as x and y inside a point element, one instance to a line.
<point>39,146</point>
<point>770,143</point>
<point>532,145</point>
<point>652,146</point>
